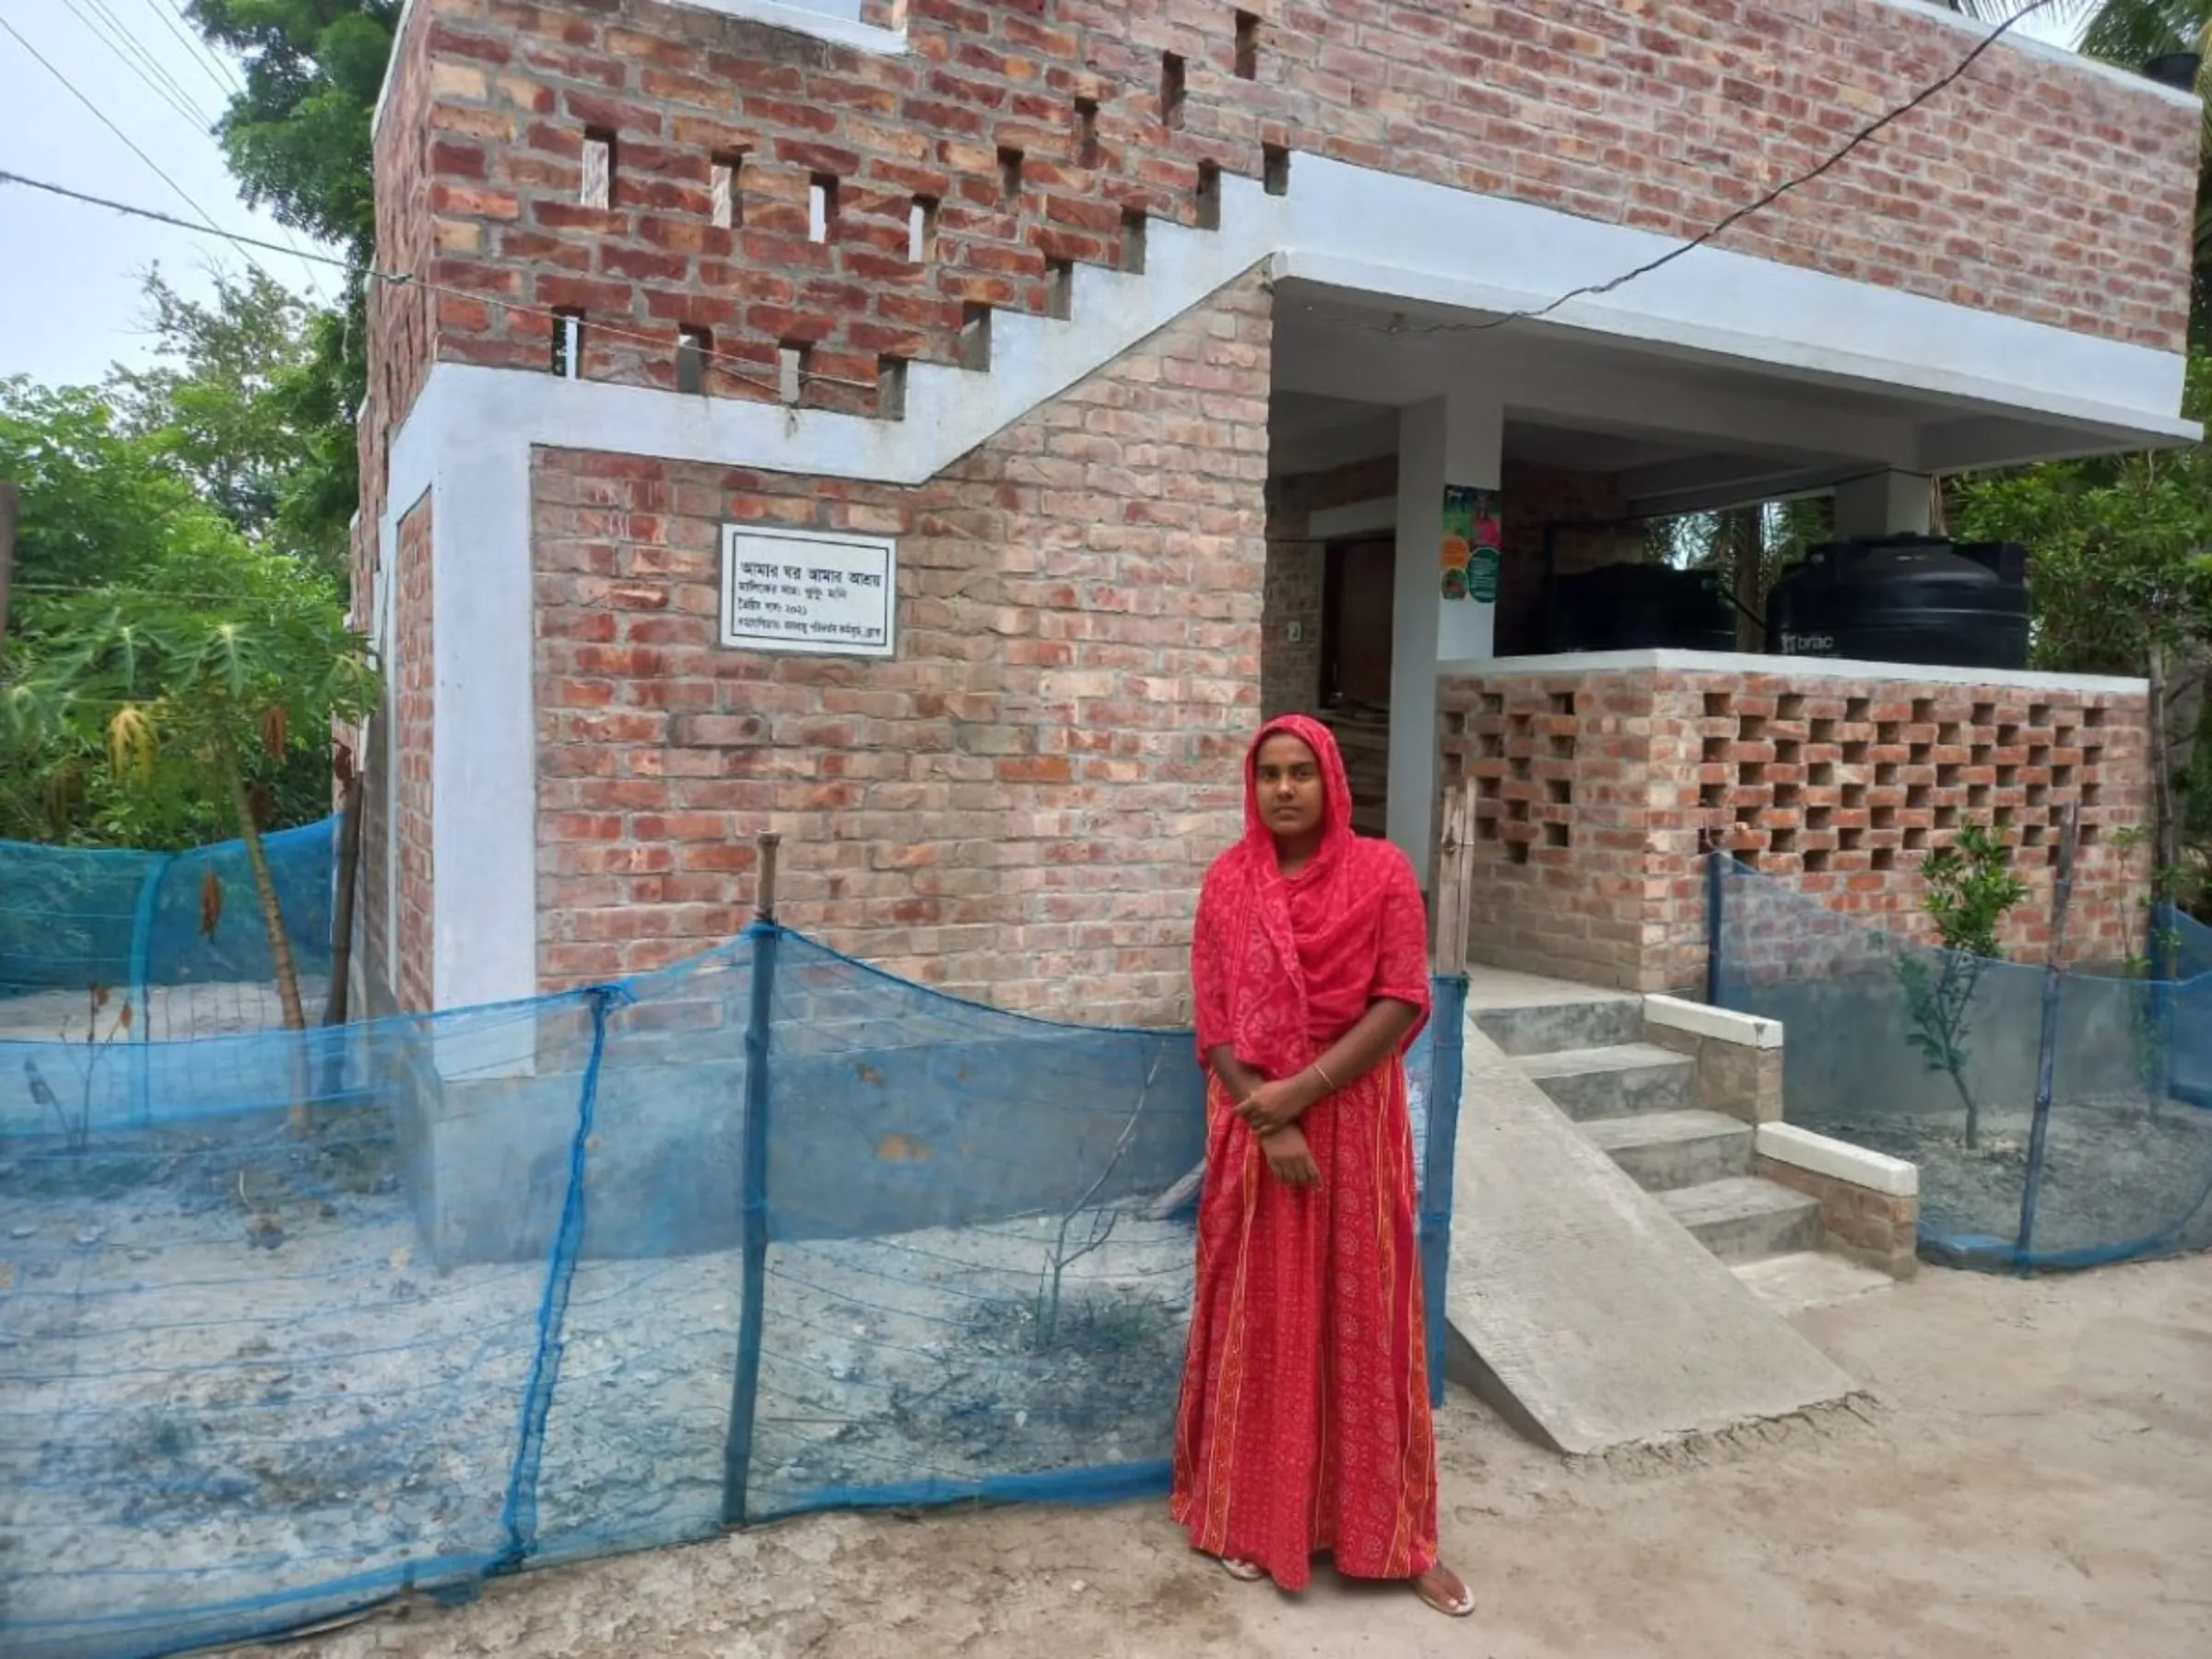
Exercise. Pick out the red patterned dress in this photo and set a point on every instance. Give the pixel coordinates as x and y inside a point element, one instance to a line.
<point>1304,1422</point>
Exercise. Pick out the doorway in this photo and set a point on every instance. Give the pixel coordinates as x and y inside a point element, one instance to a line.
<point>1358,597</point>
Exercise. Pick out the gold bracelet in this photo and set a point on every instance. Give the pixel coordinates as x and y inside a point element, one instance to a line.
<point>1322,1072</point>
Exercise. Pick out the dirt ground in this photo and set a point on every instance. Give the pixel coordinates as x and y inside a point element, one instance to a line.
<point>2033,1478</point>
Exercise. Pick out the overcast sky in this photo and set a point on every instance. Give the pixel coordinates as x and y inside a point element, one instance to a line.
<point>69,274</point>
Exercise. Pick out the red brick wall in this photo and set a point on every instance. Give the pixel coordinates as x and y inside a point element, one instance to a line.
<point>2030,187</point>
<point>1290,670</point>
<point>1580,504</point>
<point>1597,793</point>
<point>1019,805</point>
<point>414,709</point>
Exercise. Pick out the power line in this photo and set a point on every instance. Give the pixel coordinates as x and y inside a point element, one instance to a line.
<point>100,114</point>
<point>131,53</point>
<point>199,51</point>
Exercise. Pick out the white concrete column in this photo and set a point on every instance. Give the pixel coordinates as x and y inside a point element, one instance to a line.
<point>1889,503</point>
<point>1456,440</point>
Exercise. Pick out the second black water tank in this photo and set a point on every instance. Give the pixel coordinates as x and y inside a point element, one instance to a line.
<point>1636,607</point>
<point>1905,599</point>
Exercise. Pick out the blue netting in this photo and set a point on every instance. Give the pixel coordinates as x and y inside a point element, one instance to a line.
<point>298,1321</point>
<point>137,924</point>
<point>2120,1165</point>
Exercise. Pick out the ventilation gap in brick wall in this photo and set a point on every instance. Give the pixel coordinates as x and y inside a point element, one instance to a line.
<point>1009,177</point>
<point>1714,796</point>
<point>1948,774</point>
<point>1885,775</point>
<point>2088,835</point>
<point>2092,756</point>
<point>975,336</point>
<point>2093,718</point>
<point>1485,829</point>
<point>1715,751</point>
<point>1789,708</point>
<point>2007,776</point>
<point>1718,705</point>
<point>726,177</point>
<point>1947,736</point>
<point>567,359</point>
<point>821,207</point>
<point>1919,798</point>
<point>1786,796</point>
<point>1172,89</point>
<point>1556,835</point>
<point>1562,749</point>
<point>891,388</point>
<point>1209,196</point>
<point>2008,736</point>
<point>1885,858</point>
<point>1977,797</point>
<point>1856,709</point>
<point>1916,840</point>
<point>2091,795</point>
<point>1782,841</point>
<point>1275,169</point>
<point>694,351</point>
<point>1923,711</point>
<point>1522,768</point>
<point>598,189</point>
<point>1133,242</point>
<point>1517,852</point>
<point>792,362</point>
<point>1985,714</point>
<point>1888,734</point>
<point>1248,46</point>
<point>1060,290</point>
<point>1824,731</point>
<point>921,231</point>
<point>1815,861</point>
<point>1087,132</point>
<point>1559,791</point>
<point>2039,714</point>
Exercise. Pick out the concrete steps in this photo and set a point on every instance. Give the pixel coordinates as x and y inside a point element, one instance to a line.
<point>1743,1218</point>
<point>1637,1102</point>
<point>1667,1150</point>
<point>1622,1079</point>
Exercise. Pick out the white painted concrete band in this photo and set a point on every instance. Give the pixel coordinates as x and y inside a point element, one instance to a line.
<point>1839,1160</point>
<point>1720,1025</point>
<point>1796,668</point>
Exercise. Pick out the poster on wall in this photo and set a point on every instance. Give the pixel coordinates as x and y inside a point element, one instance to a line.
<point>1474,544</point>
<point>795,590</point>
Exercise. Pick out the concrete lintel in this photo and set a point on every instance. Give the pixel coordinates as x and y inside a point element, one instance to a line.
<point>1572,663</point>
<point>1719,1025</point>
<point>1839,1160</point>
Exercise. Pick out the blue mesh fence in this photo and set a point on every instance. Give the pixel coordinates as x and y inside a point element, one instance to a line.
<point>2119,1168</point>
<point>178,935</point>
<point>308,1320</point>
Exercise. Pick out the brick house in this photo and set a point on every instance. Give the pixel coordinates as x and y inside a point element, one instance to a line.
<point>938,431</point>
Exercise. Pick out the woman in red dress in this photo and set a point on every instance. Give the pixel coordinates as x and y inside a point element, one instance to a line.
<point>1304,1422</point>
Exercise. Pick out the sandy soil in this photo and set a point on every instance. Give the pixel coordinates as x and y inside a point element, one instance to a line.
<point>2035,1478</point>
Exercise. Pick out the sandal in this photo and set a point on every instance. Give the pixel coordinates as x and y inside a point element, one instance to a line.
<point>1445,1590</point>
<point>1248,1572</point>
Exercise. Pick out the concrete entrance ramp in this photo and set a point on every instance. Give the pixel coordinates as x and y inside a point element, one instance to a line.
<point>1583,1311</point>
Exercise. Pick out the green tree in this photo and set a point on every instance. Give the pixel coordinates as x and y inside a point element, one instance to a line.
<point>198,676</point>
<point>1970,888</point>
<point>299,144</point>
<point>233,400</point>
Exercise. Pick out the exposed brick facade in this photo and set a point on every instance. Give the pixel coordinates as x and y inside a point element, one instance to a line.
<point>1598,791</point>
<point>1019,805</point>
<point>2030,187</point>
<point>414,738</point>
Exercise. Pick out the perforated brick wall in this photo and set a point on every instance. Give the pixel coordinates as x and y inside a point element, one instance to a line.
<point>1598,791</point>
<point>414,703</point>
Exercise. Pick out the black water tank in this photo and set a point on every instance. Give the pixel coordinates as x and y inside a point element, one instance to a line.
<point>1636,607</point>
<point>1905,599</point>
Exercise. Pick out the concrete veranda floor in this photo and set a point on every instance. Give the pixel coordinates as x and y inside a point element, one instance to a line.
<point>2034,1478</point>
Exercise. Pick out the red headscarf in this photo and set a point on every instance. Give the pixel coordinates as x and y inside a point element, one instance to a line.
<point>1283,966</point>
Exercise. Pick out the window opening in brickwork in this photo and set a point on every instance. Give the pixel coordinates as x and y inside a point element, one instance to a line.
<point>1248,46</point>
<point>792,360</point>
<point>975,336</point>
<point>1087,132</point>
<point>1133,242</point>
<point>694,350</point>
<point>921,231</point>
<point>821,207</point>
<point>1209,196</point>
<point>1009,177</point>
<point>891,388</point>
<point>1171,89</point>
<point>567,358</point>
<point>1060,290</point>
<point>1275,169</point>
<point>597,187</point>
<point>724,188</point>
